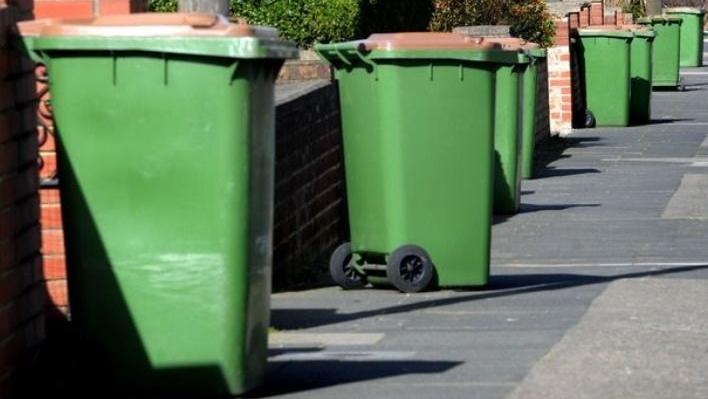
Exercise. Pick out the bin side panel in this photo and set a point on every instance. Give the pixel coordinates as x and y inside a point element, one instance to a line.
<point>528,136</point>
<point>507,180</point>
<point>641,72</point>
<point>156,189</point>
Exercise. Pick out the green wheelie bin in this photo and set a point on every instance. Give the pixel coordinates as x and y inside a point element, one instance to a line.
<point>691,47</point>
<point>418,136</point>
<point>508,125</point>
<point>666,50</point>
<point>640,71</point>
<point>528,130</point>
<point>604,54</point>
<point>166,157</point>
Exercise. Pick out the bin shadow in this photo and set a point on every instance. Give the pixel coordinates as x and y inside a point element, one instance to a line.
<point>553,149</point>
<point>551,171</point>
<point>664,121</point>
<point>532,208</point>
<point>291,376</point>
<point>499,286</point>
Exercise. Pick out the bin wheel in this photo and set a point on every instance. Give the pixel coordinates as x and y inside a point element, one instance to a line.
<point>410,269</point>
<point>682,87</point>
<point>341,267</point>
<point>589,119</point>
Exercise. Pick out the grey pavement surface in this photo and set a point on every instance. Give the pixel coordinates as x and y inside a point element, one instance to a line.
<point>595,291</point>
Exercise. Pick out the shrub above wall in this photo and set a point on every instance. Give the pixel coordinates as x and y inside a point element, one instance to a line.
<point>310,21</point>
<point>529,19</point>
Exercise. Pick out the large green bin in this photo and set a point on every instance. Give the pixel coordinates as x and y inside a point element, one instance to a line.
<point>640,71</point>
<point>691,34</point>
<point>418,124</point>
<point>508,124</point>
<point>166,153</point>
<point>604,53</point>
<point>528,131</point>
<point>666,51</point>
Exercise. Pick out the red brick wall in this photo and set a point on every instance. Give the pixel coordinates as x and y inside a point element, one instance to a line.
<point>21,290</point>
<point>52,238</point>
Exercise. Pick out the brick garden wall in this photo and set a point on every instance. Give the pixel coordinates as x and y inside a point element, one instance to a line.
<point>310,207</point>
<point>21,289</point>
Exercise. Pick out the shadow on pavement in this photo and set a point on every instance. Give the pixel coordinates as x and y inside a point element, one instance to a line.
<point>555,172</point>
<point>531,208</point>
<point>553,149</point>
<point>285,377</point>
<point>499,287</point>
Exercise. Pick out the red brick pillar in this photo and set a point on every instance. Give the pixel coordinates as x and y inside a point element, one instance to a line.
<point>584,16</point>
<point>21,289</point>
<point>619,18</point>
<point>597,12</point>
<point>559,79</point>
<point>52,232</point>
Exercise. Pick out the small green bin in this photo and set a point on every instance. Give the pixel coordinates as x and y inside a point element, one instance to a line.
<point>418,127</point>
<point>666,50</point>
<point>641,72</point>
<point>604,54</point>
<point>166,155</point>
<point>691,34</point>
<point>528,131</point>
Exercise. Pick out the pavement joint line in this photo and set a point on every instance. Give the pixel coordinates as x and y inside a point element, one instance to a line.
<point>284,338</point>
<point>693,160</point>
<point>694,73</point>
<point>608,264</point>
<point>363,356</point>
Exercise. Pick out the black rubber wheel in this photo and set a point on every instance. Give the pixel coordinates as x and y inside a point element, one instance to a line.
<point>410,269</point>
<point>342,270</point>
<point>589,119</point>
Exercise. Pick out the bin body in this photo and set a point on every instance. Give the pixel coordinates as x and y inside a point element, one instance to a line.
<point>641,72</point>
<point>166,176</point>
<point>528,132</point>
<point>666,50</point>
<point>691,47</point>
<point>605,66</point>
<point>418,137</point>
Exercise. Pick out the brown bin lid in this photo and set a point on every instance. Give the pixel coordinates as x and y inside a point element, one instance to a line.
<point>147,25</point>
<point>513,43</point>
<point>426,41</point>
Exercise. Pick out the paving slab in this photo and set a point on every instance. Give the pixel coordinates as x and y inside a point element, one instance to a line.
<point>642,338</point>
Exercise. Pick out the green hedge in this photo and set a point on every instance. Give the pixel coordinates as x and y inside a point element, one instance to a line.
<point>529,19</point>
<point>162,5</point>
<point>304,21</point>
<point>310,21</point>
